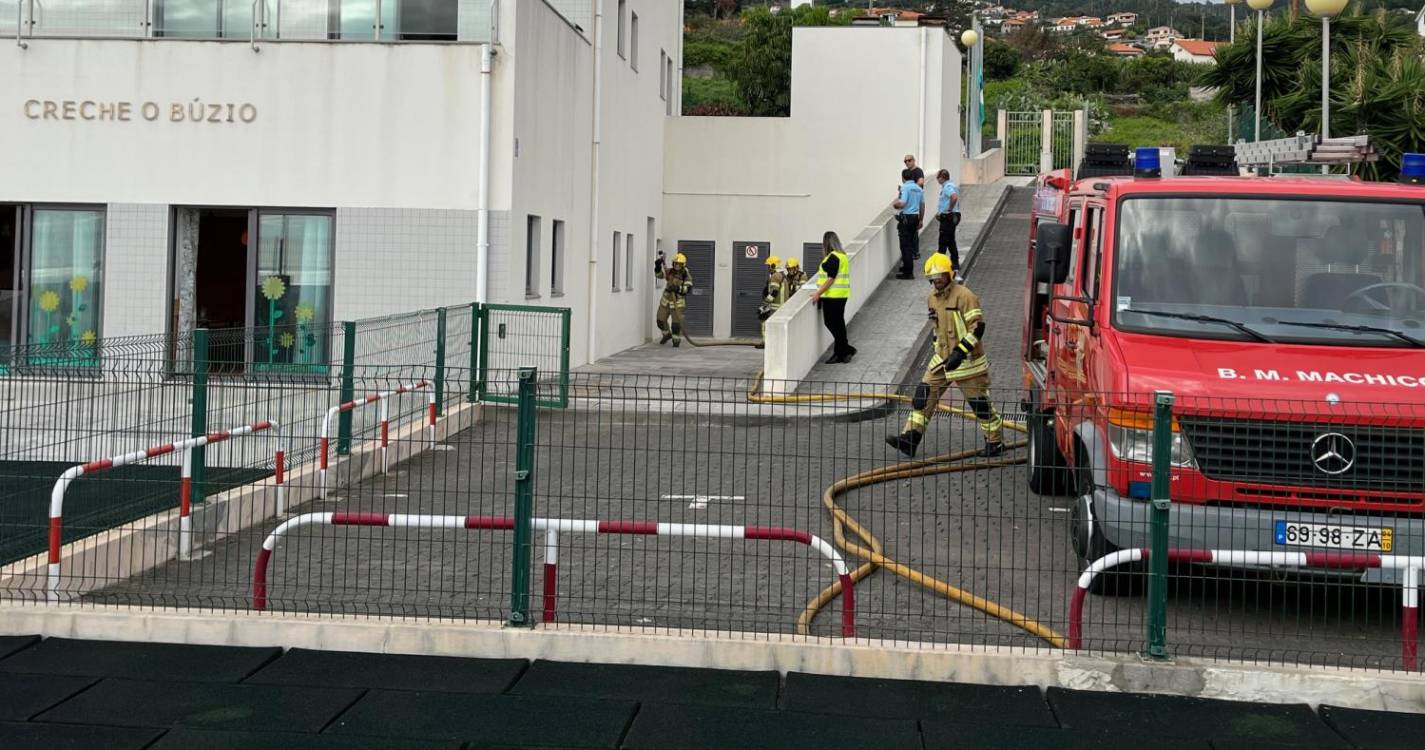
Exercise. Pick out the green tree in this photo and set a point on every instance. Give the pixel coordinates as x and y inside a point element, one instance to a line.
<point>1377,80</point>
<point>1001,60</point>
<point>761,66</point>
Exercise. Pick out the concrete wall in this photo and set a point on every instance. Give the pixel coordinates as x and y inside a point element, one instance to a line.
<point>832,165</point>
<point>983,169</point>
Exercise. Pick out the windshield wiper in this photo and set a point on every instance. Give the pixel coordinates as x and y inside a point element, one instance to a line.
<point>1204,319</point>
<point>1359,329</point>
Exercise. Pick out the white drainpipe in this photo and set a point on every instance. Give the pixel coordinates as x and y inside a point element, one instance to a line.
<point>594,176</point>
<point>920,154</point>
<point>482,221</point>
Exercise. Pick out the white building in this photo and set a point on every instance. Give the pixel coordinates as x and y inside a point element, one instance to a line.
<point>1194,51</point>
<point>1123,19</point>
<point>210,173</point>
<point>309,168</point>
<point>1161,36</point>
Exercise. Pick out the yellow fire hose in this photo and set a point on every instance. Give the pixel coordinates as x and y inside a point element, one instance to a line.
<point>873,553</point>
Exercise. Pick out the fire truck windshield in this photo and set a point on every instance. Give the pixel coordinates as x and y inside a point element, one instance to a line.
<point>1304,271</point>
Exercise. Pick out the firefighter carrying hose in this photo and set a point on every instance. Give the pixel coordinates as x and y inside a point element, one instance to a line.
<point>959,358</point>
<point>774,293</point>
<point>675,300</point>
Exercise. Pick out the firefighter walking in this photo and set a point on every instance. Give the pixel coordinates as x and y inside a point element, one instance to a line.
<point>774,293</point>
<point>679,283</point>
<point>959,359</point>
<point>794,277</point>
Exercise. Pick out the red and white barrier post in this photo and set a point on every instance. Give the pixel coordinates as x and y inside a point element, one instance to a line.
<point>185,488</point>
<point>552,528</point>
<point>1410,567</point>
<point>324,444</point>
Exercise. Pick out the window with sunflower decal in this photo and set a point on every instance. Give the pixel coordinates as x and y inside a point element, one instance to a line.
<point>66,269</point>
<point>293,296</point>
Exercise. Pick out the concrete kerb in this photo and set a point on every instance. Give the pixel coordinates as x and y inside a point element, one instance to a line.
<point>114,555</point>
<point>987,665</point>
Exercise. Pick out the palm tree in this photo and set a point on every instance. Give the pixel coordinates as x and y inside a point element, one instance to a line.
<point>1377,80</point>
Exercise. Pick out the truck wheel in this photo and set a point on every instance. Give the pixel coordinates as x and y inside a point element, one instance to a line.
<point>1089,541</point>
<point>1049,474</point>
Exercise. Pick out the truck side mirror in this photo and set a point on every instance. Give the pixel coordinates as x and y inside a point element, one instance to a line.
<point>1051,253</point>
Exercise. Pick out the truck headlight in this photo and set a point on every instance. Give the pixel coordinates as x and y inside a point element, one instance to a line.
<point>1130,435</point>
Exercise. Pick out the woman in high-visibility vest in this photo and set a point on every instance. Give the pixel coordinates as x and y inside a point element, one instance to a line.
<point>832,293</point>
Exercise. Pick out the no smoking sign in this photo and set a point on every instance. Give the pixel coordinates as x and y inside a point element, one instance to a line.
<point>750,251</point>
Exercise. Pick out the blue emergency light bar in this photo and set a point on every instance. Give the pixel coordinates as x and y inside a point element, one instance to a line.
<point>1412,169</point>
<point>1147,162</point>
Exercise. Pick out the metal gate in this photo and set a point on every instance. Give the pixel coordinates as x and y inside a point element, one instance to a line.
<point>508,337</point>
<point>749,278</point>
<point>1023,138</point>
<point>698,318</point>
<point>1024,142</point>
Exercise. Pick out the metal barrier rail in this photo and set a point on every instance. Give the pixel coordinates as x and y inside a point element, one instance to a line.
<point>552,527</point>
<point>1409,594</point>
<point>185,501</point>
<point>324,442</point>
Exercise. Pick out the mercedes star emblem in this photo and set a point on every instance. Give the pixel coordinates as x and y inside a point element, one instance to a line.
<point>1333,453</point>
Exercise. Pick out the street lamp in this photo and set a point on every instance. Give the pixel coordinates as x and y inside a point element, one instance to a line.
<point>969,38</point>
<point>1231,39</point>
<point>1326,10</point>
<point>1261,7</point>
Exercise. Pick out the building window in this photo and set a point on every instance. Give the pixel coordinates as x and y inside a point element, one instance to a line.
<point>556,275</point>
<point>618,246</point>
<point>622,32</point>
<point>663,74</point>
<point>65,282</point>
<point>651,243</point>
<point>633,43</point>
<point>294,291</point>
<point>531,256</point>
<point>628,263</point>
<point>671,83</point>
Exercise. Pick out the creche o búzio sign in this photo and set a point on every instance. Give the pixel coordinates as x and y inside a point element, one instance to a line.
<point>194,110</point>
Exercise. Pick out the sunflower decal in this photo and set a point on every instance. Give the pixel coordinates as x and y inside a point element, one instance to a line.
<point>78,284</point>
<point>287,340</point>
<point>273,288</point>
<point>49,301</point>
<point>88,337</point>
<point>305,313</point>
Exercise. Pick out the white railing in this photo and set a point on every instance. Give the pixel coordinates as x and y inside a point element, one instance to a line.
<point>795,335</point>
<point>251,21</point>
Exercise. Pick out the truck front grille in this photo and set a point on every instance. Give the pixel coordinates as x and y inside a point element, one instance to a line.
<point>1381,459</point>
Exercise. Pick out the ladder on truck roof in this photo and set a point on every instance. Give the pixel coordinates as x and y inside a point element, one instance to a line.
<point>1303,148</point>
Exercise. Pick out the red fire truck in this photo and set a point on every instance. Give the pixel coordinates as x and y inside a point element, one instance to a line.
<point>1287,316</point>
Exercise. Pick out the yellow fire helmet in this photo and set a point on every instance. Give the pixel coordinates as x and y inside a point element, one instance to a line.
<point>680,258</point>
<point>938,263</point>
<point>772,261</point>
<point>793,263</point>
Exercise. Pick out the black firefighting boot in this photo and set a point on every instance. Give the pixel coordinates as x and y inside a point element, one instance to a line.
<point>991,450</point>
<point>666,338</point>
<point>907,442</point>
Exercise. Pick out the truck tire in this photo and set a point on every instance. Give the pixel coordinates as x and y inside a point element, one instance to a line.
<point>1090,543</point>
<point>1049,473</point>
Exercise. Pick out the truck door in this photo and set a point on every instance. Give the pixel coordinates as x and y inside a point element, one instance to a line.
<point>1069,308</point>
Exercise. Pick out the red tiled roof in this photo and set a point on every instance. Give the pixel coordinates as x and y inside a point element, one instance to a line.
<point>1124,49</point>
<point>1198,47</point>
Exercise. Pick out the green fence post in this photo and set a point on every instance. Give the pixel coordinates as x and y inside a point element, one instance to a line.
<point>348,386</point>
<point>440,362</point>
<point>474,394</point>
<point>1158,529</point>
<point>483,383</point>
<point>200,412</point>
<point>564,359</point>
<point>524,500</point>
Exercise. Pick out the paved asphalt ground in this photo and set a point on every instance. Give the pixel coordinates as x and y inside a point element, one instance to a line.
<point>57,694</point>
<point>705,456</point>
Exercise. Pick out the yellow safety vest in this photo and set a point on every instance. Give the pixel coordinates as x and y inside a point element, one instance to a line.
<point>841,288</point>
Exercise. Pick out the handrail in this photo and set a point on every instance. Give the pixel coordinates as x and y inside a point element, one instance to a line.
<point>324,442</point>
<point>552,527</point>
<point>61,486</point>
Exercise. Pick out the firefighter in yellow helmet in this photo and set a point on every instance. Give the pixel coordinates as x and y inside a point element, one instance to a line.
<point>774,293</point>
<point>678,283</point>
<point>959,358</point>
<point>794,277</point>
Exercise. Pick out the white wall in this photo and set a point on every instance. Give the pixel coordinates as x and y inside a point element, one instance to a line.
<point>833,165</point>
<point>335,124</point>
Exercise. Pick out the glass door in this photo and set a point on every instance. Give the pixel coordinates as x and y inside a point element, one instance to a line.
<point>9,281</point>
<point>292,299</point>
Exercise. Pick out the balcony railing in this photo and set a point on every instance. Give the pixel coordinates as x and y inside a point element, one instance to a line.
<point>252,21</point>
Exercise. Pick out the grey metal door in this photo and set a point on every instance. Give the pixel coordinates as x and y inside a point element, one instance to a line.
<point>1023,141</point>
<point>698,319</point>
<point>749,278</point>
